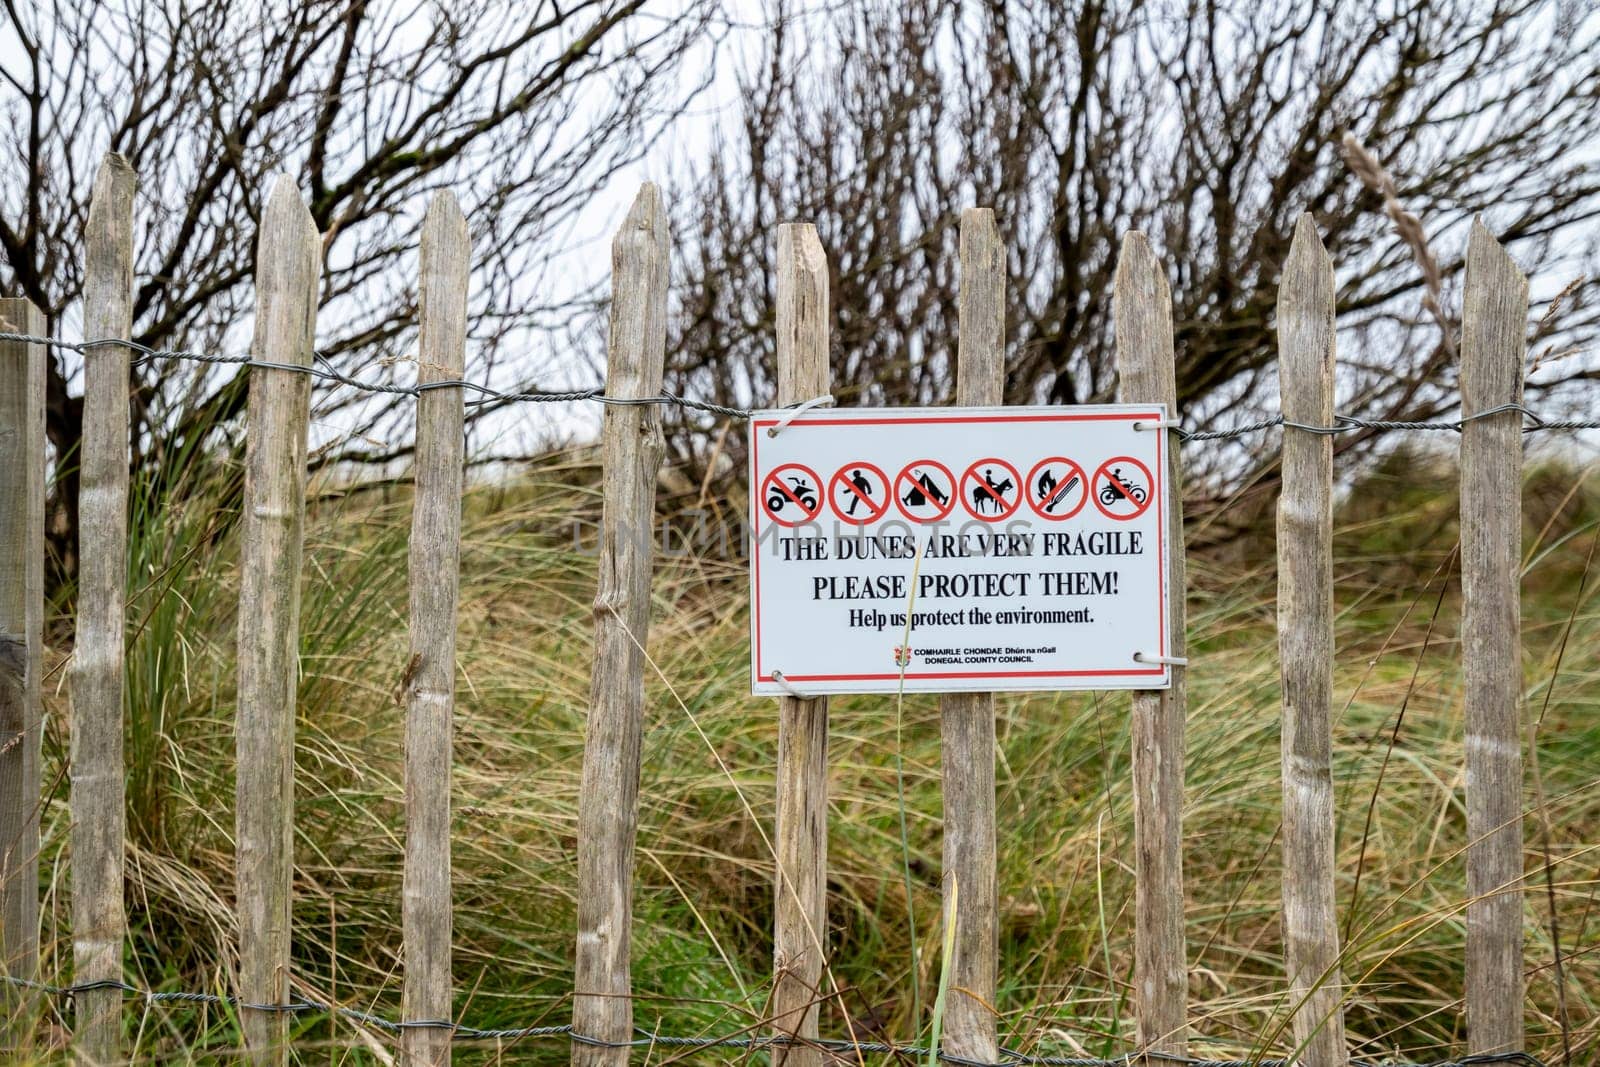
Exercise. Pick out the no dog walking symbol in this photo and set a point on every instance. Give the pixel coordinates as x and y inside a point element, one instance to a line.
<point>1024,548</point>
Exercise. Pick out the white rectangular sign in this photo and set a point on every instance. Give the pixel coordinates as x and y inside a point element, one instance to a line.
<point>1041,531</point>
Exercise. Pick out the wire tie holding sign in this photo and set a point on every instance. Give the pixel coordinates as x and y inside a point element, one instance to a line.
<point>1157,424</point>
<point>783,683</point>
<point>1171,661</point>
<point>798,410</point>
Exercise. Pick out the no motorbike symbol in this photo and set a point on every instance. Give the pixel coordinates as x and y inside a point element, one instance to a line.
<point>791,494</point>
<point>1121,488</point>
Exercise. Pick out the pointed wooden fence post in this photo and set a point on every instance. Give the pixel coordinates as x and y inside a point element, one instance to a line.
<point>435,573</point>
<point>1305,642</point>
<point>967,719</point>
<point>21,659</point>
<point>272,531</point>
<point>97,772</point>
<point>1142,310</point>
<point>1493,346</point>
<point>800,926</point>
<point>608,805</point>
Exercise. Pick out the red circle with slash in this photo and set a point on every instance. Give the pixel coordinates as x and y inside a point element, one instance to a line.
<point>843,479</point>
<point>1042,504</point>
<point>1122,493</point>
<point>778,495</point>
<point>916,481</point>
<point>984,496</point>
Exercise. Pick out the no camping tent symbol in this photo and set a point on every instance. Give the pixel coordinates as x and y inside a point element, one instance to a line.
<point>925,491</point>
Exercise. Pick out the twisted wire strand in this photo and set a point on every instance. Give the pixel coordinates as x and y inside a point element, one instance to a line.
<point>742,1041</point>
<point>484,394</point>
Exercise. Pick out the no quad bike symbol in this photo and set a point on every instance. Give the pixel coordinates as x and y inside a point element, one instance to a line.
<point>791,494</point>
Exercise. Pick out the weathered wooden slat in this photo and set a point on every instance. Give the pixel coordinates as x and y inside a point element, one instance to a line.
<point>272,532</point>
<point>22,460</point>
<point>608,806</point>
<point>967,719</point>
<point>801,913</point>
<point>1493,346</point>
<point>97,772</point>
<point>434,568</point>
<point>1306,355</point>
<point>1142,309</point>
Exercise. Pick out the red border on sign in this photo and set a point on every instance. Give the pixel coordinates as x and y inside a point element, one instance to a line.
<point>1142,508</point>
<point>764,675</point>
<point>839,478</point>
<point>1002,516</point>
<point>1036,505</point>
<point>772,476</point>
<point>950,505</point>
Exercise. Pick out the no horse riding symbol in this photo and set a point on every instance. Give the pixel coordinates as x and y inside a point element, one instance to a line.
<point>991,490</point>
<point>947,549</point>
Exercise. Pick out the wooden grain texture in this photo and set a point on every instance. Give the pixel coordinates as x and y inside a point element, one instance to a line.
<point>272,530</point>
<point>22,462</point>
<point>608,806</point>
<point>967,719</point>
<point>1305,649</point>
<point>1494,325</point>
<point>1142,309</point>
<point>97,772</point>
<point>435,573</point>
<point>800,925</point>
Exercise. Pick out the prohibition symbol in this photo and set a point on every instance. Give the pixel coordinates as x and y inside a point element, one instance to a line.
<point>991,490</point>
<point>859,493</point>
<point>1057,488</point>
<point>791,494</point>
<point>925,491</point>
<point>1121,488</point>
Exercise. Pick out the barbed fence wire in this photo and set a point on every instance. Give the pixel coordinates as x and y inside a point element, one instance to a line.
<point>1533,422</point>
<point>742,1040</point>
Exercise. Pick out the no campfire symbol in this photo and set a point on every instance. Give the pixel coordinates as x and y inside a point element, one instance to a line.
<point>1057,488</point>
<point>925,491</point>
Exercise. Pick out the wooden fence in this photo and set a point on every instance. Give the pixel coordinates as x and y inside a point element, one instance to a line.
<point>1492,360</point>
